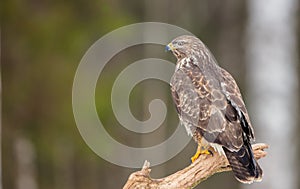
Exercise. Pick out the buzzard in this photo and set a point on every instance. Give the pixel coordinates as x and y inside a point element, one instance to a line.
<point>211,108</point>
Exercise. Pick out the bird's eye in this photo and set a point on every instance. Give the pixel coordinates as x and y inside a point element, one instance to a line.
<point>180,43</point>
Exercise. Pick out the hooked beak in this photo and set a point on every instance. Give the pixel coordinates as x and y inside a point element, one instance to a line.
<point>169,47</point>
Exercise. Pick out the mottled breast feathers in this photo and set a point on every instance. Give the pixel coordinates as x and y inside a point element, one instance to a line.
<point>212,106</point>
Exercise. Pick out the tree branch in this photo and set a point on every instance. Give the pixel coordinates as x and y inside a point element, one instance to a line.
<point>204,167</point>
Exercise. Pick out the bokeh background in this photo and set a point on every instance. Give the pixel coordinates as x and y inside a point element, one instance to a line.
<point>42,43</point>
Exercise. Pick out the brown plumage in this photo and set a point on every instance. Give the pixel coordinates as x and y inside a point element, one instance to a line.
<point>210,106</point>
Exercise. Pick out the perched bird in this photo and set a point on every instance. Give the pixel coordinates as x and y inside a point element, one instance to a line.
<point>211,108</point>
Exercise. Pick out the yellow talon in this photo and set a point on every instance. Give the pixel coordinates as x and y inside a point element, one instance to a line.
<point>197,154</point>
<point>200,150</point>
<point>205,152</point>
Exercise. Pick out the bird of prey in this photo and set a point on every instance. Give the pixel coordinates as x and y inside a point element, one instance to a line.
<point>211,108</point>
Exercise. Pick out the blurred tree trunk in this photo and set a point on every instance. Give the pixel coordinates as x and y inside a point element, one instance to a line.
<point>25,160</point>
<point>272,83</point>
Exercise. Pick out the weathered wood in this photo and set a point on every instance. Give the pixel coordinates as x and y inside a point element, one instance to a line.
<point>204,167</point>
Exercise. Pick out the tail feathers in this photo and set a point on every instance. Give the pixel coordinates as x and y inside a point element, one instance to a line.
<point>243,164</point>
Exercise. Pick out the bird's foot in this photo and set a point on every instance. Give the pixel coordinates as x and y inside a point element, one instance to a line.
<point>201,150</point>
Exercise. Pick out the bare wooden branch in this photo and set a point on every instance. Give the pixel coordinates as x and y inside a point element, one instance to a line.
<point>204,167</point>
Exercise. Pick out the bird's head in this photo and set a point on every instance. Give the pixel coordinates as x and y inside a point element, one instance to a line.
<point>184,46</point>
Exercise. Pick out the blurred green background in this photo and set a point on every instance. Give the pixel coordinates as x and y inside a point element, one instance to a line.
<point>42,44</point>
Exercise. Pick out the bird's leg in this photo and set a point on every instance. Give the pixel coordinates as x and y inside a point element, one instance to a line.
<point>201,149</point>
